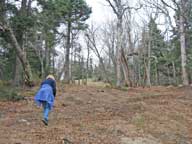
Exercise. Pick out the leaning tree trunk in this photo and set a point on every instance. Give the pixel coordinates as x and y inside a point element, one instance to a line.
<point>19,38</point>
<point>21,55</point>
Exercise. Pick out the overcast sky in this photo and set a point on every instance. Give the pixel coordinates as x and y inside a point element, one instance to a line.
<point>101,12</point>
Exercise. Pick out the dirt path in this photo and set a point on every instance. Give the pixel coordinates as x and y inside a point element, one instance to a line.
<point>88,115</point>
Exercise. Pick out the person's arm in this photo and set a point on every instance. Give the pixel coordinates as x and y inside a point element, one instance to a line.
<point>42,83</point>
<point>54,89</point>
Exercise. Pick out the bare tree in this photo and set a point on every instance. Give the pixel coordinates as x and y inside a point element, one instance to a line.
<point>109,41</point>
<point>91,36</point>
<point>119,8</point>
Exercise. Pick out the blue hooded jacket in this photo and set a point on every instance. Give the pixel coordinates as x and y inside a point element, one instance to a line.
<point>52,83</point>
<point>46,93</point>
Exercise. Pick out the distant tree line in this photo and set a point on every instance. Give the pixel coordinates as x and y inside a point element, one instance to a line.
<point>141,54</point>
<point>38,37</point>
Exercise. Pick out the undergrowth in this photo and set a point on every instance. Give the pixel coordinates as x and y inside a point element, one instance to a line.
<point>8,93</point>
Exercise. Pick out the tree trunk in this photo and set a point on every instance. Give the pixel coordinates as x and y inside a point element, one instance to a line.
<point>125,69</point>
<point>72,55</point>
<point>20,37</point>
<point>174,73</point>
<point>18,68</point>
<point>88,55</point>
<point>145,71</point>
<point>83,71</point>
<point>17,72</point>
<point>80,73</point>
<point>168,74</point>
<point>118,52</point>
<point>68,45</point>
<point>2,10</point>
<point>156,74</point>
<point>91,67</point>
<point>148,70</point>
<point>47,57</point>
<point>139,74</point>
<point>38,51</point>
<point>21,55</point>
<point>15,43</point>
<point>42,69</point>
<point>185,79</point>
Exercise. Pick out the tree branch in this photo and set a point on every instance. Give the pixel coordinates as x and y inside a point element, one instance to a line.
<point>174,1</point>
<point>168,5</point>
<point>162,9</point>
<point>131,8</point>
<point>113,7</point>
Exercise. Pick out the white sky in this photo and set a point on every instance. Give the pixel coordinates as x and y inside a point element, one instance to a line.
<point>101,12</point>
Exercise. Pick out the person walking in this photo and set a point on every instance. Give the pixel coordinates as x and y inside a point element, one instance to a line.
<point>45,96</point>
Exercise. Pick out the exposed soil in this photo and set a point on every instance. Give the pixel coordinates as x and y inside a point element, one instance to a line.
<point>89,115</point>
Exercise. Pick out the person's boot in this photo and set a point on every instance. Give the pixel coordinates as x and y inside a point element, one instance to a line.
<point>45,121</point>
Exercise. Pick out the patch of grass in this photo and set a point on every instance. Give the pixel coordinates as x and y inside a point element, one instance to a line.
<point>139,121</point>
<point>150,94</point>
<point>98,84</point>
<point>9,94</point>
<point>4,83</point>
<point>29,93</point>
<point>123,88</point>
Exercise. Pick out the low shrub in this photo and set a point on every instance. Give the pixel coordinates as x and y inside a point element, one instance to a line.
<point>10,94</point>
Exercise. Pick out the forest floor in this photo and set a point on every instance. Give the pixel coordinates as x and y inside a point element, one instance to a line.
<point>98,115</point>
